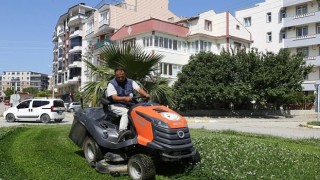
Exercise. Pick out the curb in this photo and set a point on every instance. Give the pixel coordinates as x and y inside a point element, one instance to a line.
<point>200,121</point>
<point>310,126</point>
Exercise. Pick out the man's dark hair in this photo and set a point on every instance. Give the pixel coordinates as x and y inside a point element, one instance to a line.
<point>119,69</point>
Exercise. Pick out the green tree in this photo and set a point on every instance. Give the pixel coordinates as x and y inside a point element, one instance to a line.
<point>213,81</point>
<point>31,90</point>
<point>8,92</point>
<point>140,66</point>
<point>45,93</point>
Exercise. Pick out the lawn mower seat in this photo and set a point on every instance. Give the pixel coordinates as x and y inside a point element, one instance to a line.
<point>105,105</point>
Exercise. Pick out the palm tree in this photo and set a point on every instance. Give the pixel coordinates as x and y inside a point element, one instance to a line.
<point>140,66</point>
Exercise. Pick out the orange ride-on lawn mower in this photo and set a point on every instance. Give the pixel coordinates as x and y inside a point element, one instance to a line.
<point>157,134</point>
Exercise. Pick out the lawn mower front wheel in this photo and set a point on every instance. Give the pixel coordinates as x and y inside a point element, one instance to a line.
<point>141,166</point>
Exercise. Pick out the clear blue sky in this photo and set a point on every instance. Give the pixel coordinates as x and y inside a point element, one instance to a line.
<point>27,27</point>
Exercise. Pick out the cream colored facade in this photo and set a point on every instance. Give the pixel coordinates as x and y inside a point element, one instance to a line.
<point>67,40</point>
<point>19,80</point>
<point>264,23</point>
<point>295,24</point>
<point>206,32</point>
<point>108,18</point>
<point>83,28</point>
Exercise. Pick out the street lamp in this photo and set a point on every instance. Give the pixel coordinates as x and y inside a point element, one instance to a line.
<point>52,78</point>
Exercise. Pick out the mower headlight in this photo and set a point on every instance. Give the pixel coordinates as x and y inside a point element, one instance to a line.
<point>170,116</point>
<point>159,123</point>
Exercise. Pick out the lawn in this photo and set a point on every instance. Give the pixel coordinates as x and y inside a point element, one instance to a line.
<point>46,152</point>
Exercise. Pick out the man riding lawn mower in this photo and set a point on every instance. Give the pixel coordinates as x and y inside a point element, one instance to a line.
<point>155,134</point>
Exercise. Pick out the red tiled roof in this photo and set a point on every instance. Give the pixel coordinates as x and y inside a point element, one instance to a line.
<point>150,25</point>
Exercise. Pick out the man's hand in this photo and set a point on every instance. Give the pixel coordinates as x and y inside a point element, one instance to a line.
<point>147,96</point>
<point>127,98</point>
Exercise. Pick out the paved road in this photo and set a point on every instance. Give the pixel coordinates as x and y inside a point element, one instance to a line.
<point>284,127</point>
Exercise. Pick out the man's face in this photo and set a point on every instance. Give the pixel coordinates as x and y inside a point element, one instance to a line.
<point>120,75</point>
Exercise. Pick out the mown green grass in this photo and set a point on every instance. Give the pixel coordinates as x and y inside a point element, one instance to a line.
<point>46,152</point>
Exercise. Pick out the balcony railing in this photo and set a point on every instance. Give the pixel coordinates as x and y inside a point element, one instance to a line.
<point>313,60</point>
<point>312,17</point>
<point>102,43</point>
<point>301,41</point>
<point>75,33</point>
<point>287,3</point>
<point>103,22</point>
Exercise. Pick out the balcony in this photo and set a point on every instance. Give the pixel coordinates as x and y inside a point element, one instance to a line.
<point>102,43</point>
<point>308,18</point>
<point>74,80</point>
<point>75,33</point>
<point>76,19</point>
<point>75,64</point>
<point>314,60</point>
<point>287,3</point>
<point>301,41</point>
<point>75,49</point>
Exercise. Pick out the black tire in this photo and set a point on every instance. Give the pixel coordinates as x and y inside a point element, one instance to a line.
<point>92,151</point>
<point>10,117</point>
<point>58,120</point>
<point>71,110</point>
<point>45,118</point>
<point>195,159</point>
<point>141,166</point>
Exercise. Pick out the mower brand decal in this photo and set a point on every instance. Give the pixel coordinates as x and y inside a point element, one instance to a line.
<point>180,134</point>
<point>140,121</point>
<point>177,123</point>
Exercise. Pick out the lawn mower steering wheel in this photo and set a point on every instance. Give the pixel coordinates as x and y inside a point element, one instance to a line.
<point>136,98</point>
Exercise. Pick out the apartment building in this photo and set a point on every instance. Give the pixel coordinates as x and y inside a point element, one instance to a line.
<point>67,40</point>
<point>108,18</point>
<point>18,80</point>
<point>83,30</point>
<point>177,41</point>
<point>291,24</point>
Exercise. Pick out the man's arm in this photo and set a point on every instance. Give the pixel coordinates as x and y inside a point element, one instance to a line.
<point>143,93</point>
<point>140,90</point>
<point>111,91</point>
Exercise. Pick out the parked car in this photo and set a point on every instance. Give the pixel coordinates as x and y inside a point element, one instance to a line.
<point>44,110</point>
<point>73,106</point>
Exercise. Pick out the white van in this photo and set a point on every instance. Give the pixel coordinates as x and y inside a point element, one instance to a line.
<point>37,109</point>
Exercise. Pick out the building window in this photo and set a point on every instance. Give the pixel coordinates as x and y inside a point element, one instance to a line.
<point>104,18</point>
<point>318,28</point>
<point>237,47</point>
<point>237,27</point>
<point>89,28</point>
<point>147,41</point>
<point>269,18</point>
<point>302,31</point>
<point>76,41</point>
<point>304,51</point>
<point>207,25</point>
<point>247,21</point>
<point>130,42</point>
<point>269,36</point>
<point>282,36</point>
<point>165,43</point>
<point>282,15</point>
<point>169,69</point>
<point>301,10</point>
